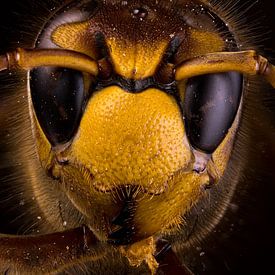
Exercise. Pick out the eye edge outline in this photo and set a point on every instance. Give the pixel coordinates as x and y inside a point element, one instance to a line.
<point>54,141</point>
<point>243,84</point>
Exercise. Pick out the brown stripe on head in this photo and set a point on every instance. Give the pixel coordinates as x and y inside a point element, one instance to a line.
<point>137,35</point>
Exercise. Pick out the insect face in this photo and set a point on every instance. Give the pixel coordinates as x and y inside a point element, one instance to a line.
<point>134,108</point>
<point>130,128</point>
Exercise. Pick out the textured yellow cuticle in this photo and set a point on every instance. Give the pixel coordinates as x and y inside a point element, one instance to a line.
<point>127,138</point>
<point>136,60</point>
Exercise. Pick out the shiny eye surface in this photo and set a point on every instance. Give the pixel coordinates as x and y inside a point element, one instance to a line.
<point>57,96</point>
<point>210,106</point>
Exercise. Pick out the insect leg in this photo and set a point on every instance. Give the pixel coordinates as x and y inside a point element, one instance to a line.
<point>48,253</point>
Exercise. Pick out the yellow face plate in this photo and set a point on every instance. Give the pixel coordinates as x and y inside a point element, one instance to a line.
<point>127,138</point>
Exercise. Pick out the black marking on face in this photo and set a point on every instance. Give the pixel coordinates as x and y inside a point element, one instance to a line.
<point>57,96</point>
<point>210,106</point>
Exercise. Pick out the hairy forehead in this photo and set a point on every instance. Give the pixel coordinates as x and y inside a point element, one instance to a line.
<point>137,34</point>
<point>144,19</point>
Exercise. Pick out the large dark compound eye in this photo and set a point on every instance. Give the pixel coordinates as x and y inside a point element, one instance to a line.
<point>210,106</point>
<point>57,96</point>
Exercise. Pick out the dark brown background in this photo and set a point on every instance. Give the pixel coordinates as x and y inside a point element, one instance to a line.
<point>245,242</point>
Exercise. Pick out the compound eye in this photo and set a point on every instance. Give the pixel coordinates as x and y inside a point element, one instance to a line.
<point>210,106</point>
<point>57,96</point>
